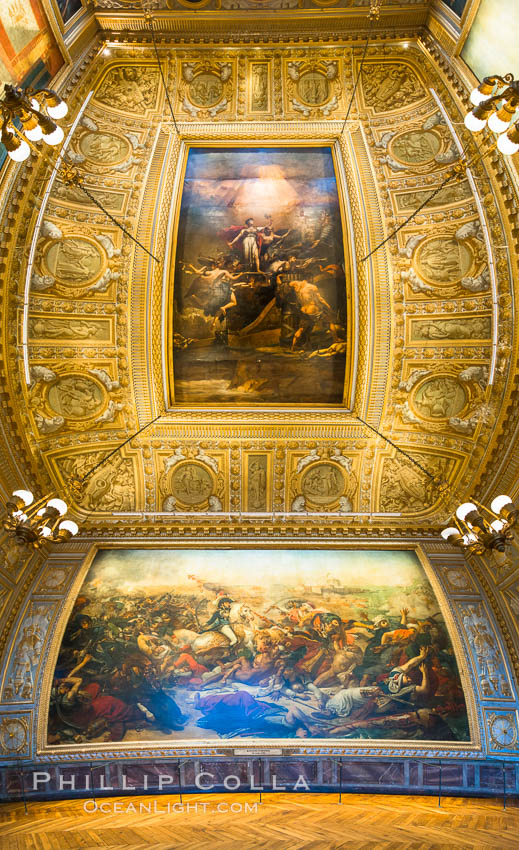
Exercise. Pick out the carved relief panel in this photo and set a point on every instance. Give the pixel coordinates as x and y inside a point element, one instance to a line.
<point>322,479</point>
<point>257,481</point>
<point>259,87</point>
<point>75,262</point>
<point>191,478</point>
<point>207,87</point>
<point>312,88</point>
<point>388,85</point>
<point>130,88</point>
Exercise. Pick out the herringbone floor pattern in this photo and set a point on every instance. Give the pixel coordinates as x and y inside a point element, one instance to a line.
<point>280,822</point>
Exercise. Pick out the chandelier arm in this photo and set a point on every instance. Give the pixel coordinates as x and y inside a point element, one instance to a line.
<point>117,449</point>
<point>402,452</point>
<point>77,181</point>
<point>149,18</point>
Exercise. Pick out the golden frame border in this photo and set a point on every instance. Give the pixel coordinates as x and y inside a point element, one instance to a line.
<point>199,747</point>
<point>348,249</point>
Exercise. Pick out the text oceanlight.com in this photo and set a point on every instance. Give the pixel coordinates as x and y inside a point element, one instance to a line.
<point>158,807</point>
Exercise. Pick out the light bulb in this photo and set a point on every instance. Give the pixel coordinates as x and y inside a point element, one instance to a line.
<point>497,504</point>
<point>55,137</point>
<point>22,518</point>
<point>469,539</point>
<point>474,124</point>
<point>59,505</point>
<point>497,124</point>
<point>58,111</point>
<point>447,533</point>
<point>465,509</point>
<point>477,97</point>
<point>35,134</point>
<point>45,531</point>
<point>497,525</point>
<point>506,145</point>
<point>70,526</point>
<point>25,495</point>
<point>21,153</point>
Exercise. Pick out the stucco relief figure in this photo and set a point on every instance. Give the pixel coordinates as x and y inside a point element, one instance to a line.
<point>104,147</point>
<point>439,398</point>
<point>443,260</point>
<point>76,397</point>
<point>257,483</point>
<point>415,146</point>
<point>73,260</point>
<point>448,195</point>
<point>191,483</point>
<point>47,328</point>
<point>259,87</point>
<point>323,483</point>
<point>133,87</point>
<point>210,643</point>
<point>260,283</point>
<point>26,654</point>
<point>474,328</point>
<point>390,86</point>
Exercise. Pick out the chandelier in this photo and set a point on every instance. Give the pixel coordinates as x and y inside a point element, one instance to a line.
<point>33,523</point>
<point>30,116</point>
<point>496,101</point>
<point>479,529</point>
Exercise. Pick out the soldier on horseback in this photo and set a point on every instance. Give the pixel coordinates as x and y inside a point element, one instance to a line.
<point>220,620</point>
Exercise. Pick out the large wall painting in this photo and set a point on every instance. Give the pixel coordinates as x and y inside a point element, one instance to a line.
<point>176,645</point>
<point>491,45</point>
<point>259,300</point>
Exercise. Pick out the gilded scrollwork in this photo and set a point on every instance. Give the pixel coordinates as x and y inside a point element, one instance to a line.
<point>74,262</point>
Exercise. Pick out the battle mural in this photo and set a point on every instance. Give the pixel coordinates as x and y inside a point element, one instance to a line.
<point>194,645</point>
<point>259,303</point>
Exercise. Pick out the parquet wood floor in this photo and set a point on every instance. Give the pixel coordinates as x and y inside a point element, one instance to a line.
<point>280,822</point>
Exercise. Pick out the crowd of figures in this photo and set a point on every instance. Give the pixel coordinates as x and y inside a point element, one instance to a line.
<point>297,274</point>
<point>181,664</point>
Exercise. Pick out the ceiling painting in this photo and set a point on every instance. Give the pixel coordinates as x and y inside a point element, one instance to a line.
<point>260,289</point>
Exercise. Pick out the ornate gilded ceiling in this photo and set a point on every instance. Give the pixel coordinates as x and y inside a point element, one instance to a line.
<point>431,330</point>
